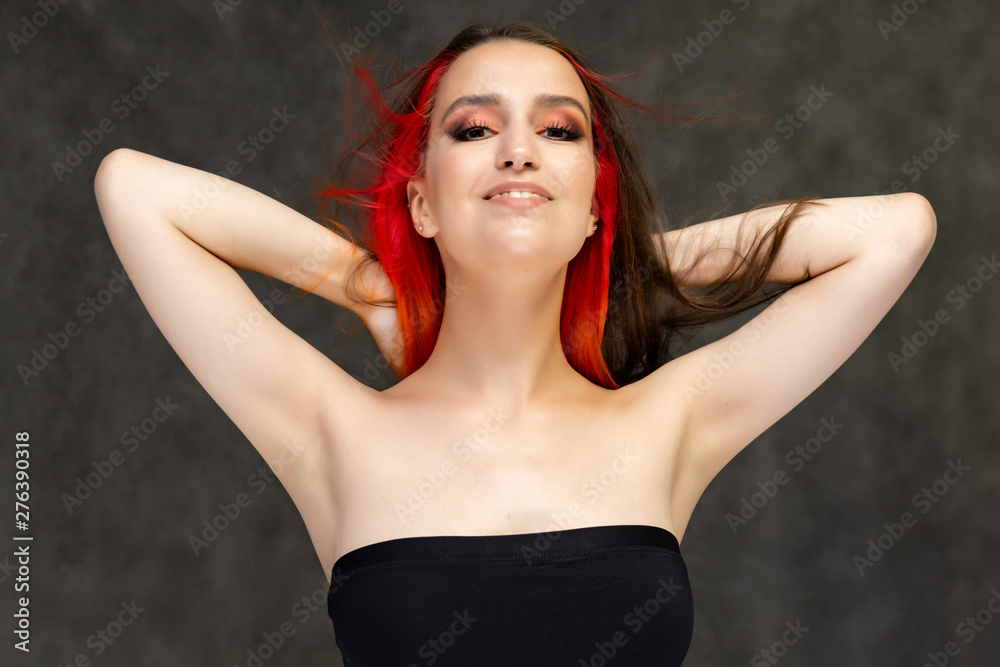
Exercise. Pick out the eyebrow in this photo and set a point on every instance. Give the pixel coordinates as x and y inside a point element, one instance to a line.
<point>493,100</point>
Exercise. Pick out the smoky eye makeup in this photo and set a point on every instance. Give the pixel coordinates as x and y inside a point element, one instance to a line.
<point>459,131</point>
<point>565,130</point>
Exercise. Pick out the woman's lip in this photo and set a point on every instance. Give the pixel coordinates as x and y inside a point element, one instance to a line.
<point>519,202</point>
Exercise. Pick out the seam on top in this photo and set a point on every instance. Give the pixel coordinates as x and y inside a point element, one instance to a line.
<point>501,558</point>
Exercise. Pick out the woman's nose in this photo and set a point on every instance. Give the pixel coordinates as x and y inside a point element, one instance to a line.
<point>517,148</point>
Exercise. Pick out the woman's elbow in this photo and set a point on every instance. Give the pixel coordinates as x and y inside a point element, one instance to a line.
<point>111,184</point>
<point>112,180</point>
<point>107,172</point>
<point>918,218</point>
<point>907,226</point>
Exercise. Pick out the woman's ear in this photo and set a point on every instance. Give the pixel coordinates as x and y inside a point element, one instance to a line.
<point>595,215</point>
<point>419,211</point>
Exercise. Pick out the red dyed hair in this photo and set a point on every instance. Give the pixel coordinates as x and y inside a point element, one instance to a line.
<point>622,246</point>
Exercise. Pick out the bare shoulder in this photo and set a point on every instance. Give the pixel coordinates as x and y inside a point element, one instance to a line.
<point>312,475</point>
<point>655,412</point>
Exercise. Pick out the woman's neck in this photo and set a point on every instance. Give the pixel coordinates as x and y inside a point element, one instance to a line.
<point>499,344</point>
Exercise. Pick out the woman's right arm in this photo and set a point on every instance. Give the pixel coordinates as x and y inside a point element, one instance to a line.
<point>179,233</point>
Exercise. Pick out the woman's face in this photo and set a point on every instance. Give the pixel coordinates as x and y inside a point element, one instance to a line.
<point>509,134</point>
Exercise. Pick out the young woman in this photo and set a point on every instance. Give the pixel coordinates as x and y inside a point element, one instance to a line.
<point>519,497</point>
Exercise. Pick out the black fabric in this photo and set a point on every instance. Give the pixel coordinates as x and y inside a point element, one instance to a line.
<point>615,595</point>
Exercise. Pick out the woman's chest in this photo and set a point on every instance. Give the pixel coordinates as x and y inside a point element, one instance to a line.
<point>420,471</point>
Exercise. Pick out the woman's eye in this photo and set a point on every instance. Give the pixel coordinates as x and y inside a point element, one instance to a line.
<point>476,130</point>
<point>567,132</point>
<point>463,133</point>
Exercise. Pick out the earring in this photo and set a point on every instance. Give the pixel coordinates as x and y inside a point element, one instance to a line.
<point>420,228</point>
<point>594,227</point>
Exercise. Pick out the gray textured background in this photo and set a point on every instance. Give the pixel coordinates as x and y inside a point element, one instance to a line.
<point>793,561</point>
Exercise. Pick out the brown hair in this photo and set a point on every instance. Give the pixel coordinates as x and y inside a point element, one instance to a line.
<point>622,331</point>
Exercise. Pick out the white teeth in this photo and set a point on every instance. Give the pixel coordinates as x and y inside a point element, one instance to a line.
<point>518,194</point>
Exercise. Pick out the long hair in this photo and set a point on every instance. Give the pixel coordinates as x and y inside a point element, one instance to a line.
<point>621,302</point>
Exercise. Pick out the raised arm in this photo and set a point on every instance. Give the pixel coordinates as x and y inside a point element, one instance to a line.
<point>700,255</point>
<point>861,253</point>
<point>179,233</point>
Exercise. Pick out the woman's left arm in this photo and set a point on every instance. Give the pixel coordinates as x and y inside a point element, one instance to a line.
<point>860,253</point>
<point>822,238</point>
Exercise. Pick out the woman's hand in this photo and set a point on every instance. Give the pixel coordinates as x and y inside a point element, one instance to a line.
<point>382,321</point>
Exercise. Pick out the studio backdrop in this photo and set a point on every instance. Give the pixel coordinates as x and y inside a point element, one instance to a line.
<point>140,527</point>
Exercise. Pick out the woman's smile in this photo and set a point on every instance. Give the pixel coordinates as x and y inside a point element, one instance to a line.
<point>519,199</point>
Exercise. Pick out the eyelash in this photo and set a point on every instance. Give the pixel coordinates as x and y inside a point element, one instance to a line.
<point>572,134</point>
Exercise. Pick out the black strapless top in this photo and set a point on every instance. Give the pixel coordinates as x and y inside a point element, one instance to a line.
<point>614,595</point>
